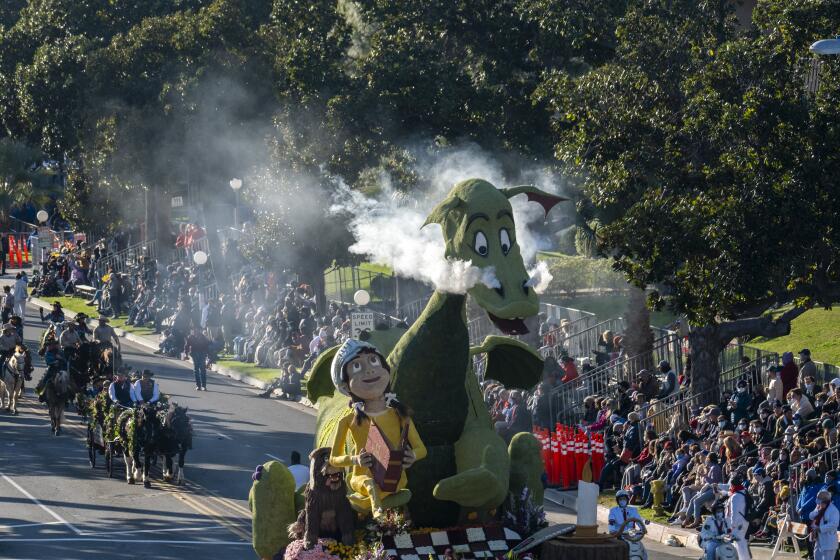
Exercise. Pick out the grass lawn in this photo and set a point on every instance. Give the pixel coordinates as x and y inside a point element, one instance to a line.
<point>816,329</point>
<point>263,374</point>
<point>79,305</point>
<point>607,499</point>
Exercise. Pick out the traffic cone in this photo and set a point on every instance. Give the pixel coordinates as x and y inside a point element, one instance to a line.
<point>18,256</point>
<point>26,256</point>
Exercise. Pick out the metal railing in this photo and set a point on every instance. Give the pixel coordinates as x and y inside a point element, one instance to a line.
<point>566,400</point>
<point>578,344</point>
<point>675,410</point>
<point>121,261</point>
<point>830,456</point>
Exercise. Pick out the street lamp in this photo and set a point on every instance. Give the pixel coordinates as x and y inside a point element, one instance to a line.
<point>236,184</point>
<point>42,216</point>
<point>827,46</point>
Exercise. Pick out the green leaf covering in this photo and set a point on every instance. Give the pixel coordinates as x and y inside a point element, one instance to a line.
<point>272,503</point>
<point>320,380</point>
<point>510,362</point>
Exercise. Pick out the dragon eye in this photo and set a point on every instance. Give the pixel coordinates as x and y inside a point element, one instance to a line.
<point>504,239</point>
<point>480,244</point>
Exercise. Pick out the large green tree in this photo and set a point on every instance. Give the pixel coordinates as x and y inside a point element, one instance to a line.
<point>711,169</point>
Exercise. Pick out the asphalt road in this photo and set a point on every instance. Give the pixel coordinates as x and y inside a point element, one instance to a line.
<point>54,505</point>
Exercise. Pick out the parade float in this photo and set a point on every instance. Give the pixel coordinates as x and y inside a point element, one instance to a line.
<point>469,495</point>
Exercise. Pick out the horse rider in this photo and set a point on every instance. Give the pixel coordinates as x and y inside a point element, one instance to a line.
<point>714,529</point>
<point>55,361</point>
<point>105,333</point>
<point>81,326</point>
<point>8,341</point>
<point>121,391</point>
<point>70,340</point>
<point>23,361</point>
<point>54,316</point>
<point>146,389</point>
<point>622,512</point>
<point>736,515</point>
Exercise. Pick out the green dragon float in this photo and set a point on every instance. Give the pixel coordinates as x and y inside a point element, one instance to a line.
<point>468,472</point>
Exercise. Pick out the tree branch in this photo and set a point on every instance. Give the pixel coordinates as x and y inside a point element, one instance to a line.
<point>767,326</point>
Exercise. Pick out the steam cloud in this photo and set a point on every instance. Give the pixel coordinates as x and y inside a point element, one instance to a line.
<point>388,229</point>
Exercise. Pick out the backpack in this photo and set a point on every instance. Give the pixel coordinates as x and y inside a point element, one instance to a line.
<point>751,514</point>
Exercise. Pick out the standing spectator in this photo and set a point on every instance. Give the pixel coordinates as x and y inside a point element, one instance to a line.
<point>739,403</point>
<point>669,380</point>
<point>8,303</point>
<point>806,366</point>
<point>4,248</point>
<point>21,294</point>
<point>775,388</point>
<point>824,521</point>
<point>789,374</point>
<point>198,347</point>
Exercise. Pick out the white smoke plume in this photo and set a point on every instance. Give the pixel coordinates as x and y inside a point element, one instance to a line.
<point>391,234</point>
<point>540,277</point>
<point>388,229</point>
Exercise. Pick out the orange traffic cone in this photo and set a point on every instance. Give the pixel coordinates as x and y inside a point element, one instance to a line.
<point>18,253</point>
<point>26,257</point>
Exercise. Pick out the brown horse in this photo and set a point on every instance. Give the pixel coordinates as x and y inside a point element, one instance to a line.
<point>57,392</point>
<point>110,361</point>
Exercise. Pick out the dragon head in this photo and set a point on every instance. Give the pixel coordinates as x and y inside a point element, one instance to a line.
<point>478,226</point>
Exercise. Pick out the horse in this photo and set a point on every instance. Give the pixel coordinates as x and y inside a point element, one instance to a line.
<point>109,361</point>
<point>147,429</point>
<point>176,438</point>
<point>57,391</point>
<point>83,363</point>
<point>12,382</point>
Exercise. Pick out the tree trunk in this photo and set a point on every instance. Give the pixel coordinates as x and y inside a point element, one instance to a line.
<point>705,366</point>
<point>638,337</point>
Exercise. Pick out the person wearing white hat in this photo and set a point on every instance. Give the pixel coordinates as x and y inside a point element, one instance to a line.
<point>361,372</point>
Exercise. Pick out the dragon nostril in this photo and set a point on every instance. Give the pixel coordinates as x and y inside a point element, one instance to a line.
<point>500,290</point>
<point>525,286</point>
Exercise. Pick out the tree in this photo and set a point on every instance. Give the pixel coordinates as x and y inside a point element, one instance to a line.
<point>23,178</point>
<point>711,171</point>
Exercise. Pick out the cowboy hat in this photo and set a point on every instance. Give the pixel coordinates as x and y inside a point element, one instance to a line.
<point>103,318</point>
<point>147,373</point>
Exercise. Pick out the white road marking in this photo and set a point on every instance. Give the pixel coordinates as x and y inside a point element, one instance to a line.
<point>2,527</point>
<point>275,458</point>
<point>37,502</point>
<point>220,434</point>
<point>179,529</point>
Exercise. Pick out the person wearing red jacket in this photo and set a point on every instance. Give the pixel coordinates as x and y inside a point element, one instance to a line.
<point>569,368</point>
<point>789,374</point>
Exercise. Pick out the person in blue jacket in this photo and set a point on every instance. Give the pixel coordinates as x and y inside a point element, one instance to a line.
<point>808,497</point>
<point>831,484</point>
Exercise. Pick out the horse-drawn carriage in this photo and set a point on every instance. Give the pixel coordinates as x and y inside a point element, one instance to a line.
<point>144,431</point>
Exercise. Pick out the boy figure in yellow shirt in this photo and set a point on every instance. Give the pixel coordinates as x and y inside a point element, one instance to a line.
<point>361,372</point>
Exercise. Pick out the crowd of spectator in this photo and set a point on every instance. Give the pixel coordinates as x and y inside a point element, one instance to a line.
<point>773,431</point>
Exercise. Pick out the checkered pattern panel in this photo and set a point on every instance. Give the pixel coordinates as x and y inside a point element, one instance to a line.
<point>474,542</point>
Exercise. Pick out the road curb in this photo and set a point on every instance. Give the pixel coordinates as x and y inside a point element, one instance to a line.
<point>655,531</point>
<point>153,346</point>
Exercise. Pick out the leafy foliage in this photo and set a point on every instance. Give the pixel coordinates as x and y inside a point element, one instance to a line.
<point>706,163</point>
